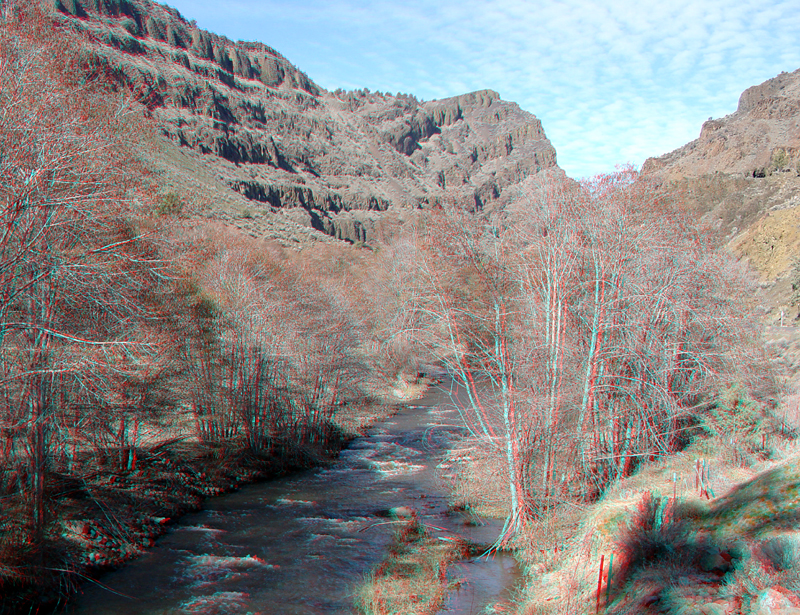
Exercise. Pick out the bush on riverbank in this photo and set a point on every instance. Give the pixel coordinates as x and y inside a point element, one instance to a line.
<point>595,333</point>
<point>412,578</point>
<point>103,519</point>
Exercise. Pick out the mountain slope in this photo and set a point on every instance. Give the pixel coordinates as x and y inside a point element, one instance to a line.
<point>743,176</point>
<point>745,142</point>
<point>251,138</point>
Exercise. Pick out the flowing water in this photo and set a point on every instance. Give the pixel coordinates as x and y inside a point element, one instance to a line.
<point>302,544</point>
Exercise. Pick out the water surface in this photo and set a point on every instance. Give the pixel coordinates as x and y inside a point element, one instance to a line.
<point>301,544</point>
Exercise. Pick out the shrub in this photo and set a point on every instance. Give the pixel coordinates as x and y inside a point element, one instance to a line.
<point>782,552</point>
<point>780,160</point>
<point>795,279</point>
<point>170,204</point>
<point>661,543</point>
<point>736,417</point>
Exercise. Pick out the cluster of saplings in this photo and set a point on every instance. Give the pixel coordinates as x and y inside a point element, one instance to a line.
<point>122,328</point>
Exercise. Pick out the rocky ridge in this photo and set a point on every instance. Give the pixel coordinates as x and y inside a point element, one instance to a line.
<point>747,142</point>
<point>250,138</point>
<point>742,176</point>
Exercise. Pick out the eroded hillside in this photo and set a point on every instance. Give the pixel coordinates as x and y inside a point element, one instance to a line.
<point>252,140</point>
<point>742,175</point>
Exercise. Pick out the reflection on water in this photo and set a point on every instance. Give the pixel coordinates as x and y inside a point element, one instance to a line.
<point>301,544</point>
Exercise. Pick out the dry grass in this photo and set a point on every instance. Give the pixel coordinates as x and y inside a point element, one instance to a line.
<point>412,579</point>
<point>407,387</point>
<point>478,479</point>
<point>355,419</point>
<point>699,553</point>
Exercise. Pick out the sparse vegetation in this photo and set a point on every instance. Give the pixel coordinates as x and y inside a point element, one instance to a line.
<point>795,280</point>
<point>604,344</point>
<point>169,204</point>
<point>412,579</point>
<point>736,416</point>
<point>780,160</point>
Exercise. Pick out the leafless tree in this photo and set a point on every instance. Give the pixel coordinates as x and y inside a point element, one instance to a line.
<point>590,324</point>
<point>69,262</point>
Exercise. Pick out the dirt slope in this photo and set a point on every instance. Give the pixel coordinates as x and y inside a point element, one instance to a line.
<point>742,176</point>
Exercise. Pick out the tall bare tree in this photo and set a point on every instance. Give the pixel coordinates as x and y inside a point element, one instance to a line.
<point>69,261</point>
<point>590,325</point>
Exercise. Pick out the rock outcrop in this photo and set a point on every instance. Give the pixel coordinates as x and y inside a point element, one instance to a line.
<point>742,175</point>
<point>759,138</point>
<point>253,138</point>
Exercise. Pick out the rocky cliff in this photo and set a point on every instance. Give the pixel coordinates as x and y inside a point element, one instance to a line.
<point>743,176</point>
<point>759,138</point>
<point>250,138</point>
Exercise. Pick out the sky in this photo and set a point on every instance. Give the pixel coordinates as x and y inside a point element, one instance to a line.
<point>613,82</point>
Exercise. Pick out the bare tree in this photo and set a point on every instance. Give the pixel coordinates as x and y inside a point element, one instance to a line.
<point>469,317</point>
<point>591,325</point>
<point>68,265</point>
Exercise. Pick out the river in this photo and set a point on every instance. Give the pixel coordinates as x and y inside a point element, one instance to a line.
<point>301,544</point>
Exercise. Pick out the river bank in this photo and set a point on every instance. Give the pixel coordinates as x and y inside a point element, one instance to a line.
<point>103,520</point>
<point>306,543</point>
<point>413,576</point>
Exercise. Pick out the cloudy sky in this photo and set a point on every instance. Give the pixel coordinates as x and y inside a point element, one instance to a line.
<point>613,81</point>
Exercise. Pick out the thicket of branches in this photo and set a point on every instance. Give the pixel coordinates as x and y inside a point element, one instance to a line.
<point>592,327</point>
<point>77,347</point>
<point>270,352</point>
<point>115,333</point>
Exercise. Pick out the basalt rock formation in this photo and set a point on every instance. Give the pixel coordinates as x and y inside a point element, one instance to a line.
<point>250,138</point>
<point>743,176</point>
<point>759,138</point>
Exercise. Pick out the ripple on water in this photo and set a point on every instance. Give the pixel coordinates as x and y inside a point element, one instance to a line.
<point>388,459</point>
<point>395,450</point>
<point>220,602</point>
<point>330,538</point>
<point>353,524</point>
<point>291,502</point>
<point>199,528</point>
<point>207,570</point>
<point>389,469</point>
